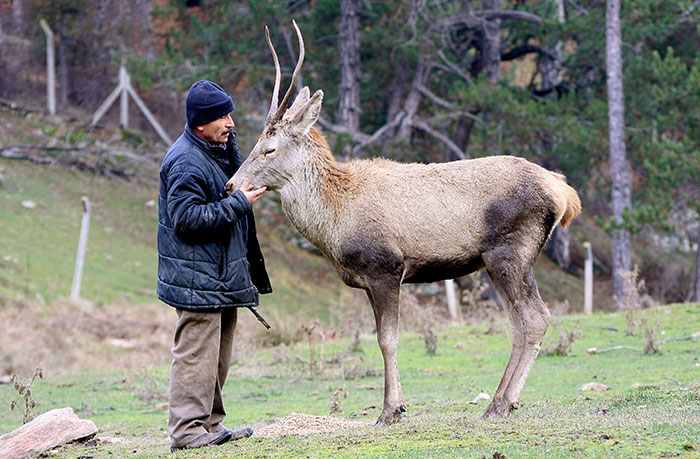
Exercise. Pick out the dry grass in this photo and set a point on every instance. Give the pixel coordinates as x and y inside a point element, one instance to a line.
<point>65,336</point>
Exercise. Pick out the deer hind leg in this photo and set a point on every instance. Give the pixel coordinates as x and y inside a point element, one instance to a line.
<point>535,318</point>
<point>517,346</point>
<point>384,296</point>
<point>529,319</point>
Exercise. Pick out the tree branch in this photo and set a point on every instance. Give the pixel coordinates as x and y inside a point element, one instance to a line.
<point>452,67</point>
<point>441,137</point>
<point>357,136</point>
<point>435,98</point>
<point>455,114</point>
<point>681,19</point>
<point>380,132</point>
<point>508,14</point>
<point>526,49</point>
<point>471,19</point>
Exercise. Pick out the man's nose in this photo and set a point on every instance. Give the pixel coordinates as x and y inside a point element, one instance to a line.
<point>229,121</point>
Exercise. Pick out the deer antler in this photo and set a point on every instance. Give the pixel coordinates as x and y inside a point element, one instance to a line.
<point>278,77</point>
<point>278,110</point>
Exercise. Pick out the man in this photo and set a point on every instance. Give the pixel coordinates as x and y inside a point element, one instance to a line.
<point>209,264</point>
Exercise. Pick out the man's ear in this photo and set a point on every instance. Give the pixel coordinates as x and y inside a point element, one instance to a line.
<point>308,114</point>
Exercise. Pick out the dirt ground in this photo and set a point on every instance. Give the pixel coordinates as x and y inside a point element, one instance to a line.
<point>304,424</point>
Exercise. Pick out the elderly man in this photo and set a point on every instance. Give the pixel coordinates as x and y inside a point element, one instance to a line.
<point>209,264</point>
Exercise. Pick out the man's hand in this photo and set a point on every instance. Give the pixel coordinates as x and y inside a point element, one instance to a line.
<point>251,195</point>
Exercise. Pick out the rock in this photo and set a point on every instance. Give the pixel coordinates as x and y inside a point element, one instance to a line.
<point>593,386</point>
<point>163,407</point>
<point>695,336</point>
<point>29,204</point>
<point>51,429</point>
<point>481,396</point>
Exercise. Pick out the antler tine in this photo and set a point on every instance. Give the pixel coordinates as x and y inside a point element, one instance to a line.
<point>283,105</point>
<point>278,77</point>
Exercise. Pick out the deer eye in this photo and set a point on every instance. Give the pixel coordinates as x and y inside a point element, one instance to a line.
<point>269,151</point>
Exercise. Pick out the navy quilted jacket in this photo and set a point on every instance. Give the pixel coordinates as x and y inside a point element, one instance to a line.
<point>208,253</point>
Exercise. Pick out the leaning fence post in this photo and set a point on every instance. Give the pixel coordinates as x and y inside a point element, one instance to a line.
<point>50,67</point>
<point>588,280</point>
<point>82,244</point>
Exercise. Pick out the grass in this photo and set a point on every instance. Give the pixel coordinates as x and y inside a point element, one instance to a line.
<point>37,258</point>
<point>652,407</point>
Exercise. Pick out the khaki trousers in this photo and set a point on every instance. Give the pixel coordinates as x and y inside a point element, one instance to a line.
<point>202,349</point>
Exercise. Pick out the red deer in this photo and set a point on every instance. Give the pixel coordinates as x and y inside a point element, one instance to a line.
<point>383,223</point>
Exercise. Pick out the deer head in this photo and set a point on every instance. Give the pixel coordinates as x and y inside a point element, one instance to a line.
<point>279,153</point>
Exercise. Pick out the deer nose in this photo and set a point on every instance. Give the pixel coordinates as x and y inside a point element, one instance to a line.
<point>229,188</point>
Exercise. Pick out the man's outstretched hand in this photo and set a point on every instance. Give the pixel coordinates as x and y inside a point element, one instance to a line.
<point>251,195</point>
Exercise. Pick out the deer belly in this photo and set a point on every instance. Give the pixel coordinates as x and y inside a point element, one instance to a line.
<point>432,270</point>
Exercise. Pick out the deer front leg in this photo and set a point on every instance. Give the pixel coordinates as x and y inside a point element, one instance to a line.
<point>385,302</point>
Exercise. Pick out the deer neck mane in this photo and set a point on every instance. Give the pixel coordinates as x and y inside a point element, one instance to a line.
<point>315,201</point>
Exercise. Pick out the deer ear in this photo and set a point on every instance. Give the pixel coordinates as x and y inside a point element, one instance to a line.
<point>299,101</point>
<point>308,114</point>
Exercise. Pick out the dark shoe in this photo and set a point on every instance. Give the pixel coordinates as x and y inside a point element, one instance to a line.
<point>206,439</point>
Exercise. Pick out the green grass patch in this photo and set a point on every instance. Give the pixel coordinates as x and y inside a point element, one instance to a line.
<point>651,409</point>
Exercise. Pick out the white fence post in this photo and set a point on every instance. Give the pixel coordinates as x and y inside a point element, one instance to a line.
<point>452,304</point>
<point>50,67</point>
<point>124,106</point>
<point>588,280</point>
<point>82,244</point>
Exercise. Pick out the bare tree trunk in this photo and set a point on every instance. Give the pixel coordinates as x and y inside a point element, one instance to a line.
<point>412,103</point>
<point>558,247</point>
<point>19,22</point>
<point>398,90</point>
<point>619,170</point>
<point>464,132</point>
<point>492,43</point>
<point>349,91</point>
<point>551,68</point>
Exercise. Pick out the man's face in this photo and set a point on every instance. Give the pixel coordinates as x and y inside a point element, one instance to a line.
<point>217,131</point>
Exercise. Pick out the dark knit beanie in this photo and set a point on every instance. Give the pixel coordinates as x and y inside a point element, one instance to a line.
<point>206,101</point>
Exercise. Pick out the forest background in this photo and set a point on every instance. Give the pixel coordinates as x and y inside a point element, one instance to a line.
<point>420,80</point>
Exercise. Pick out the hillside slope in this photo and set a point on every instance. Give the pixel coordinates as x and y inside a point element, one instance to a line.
<point>117,171</point>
